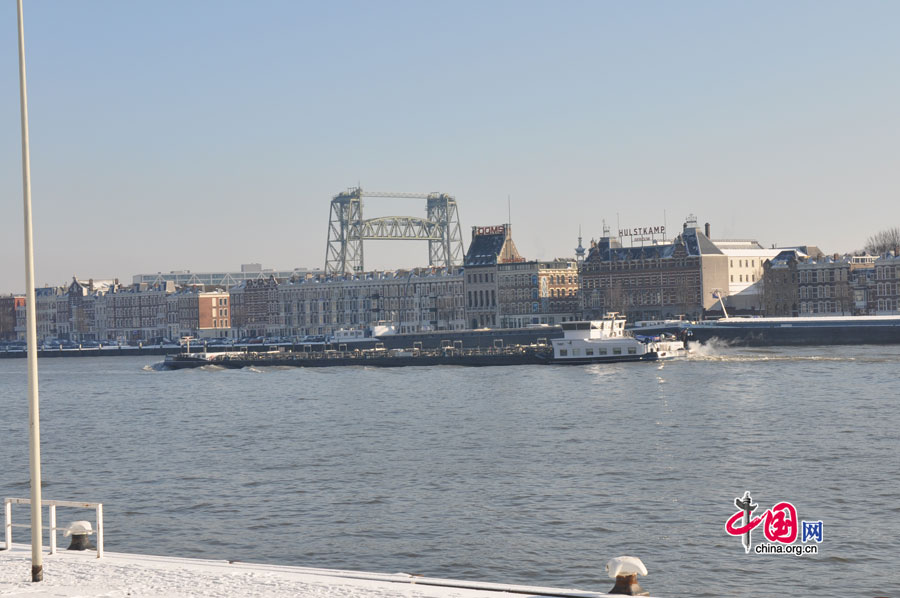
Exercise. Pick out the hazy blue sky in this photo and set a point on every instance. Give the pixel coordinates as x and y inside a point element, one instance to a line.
<point>205,134</point>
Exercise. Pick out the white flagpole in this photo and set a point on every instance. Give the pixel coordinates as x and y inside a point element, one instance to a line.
<point>34,425</point>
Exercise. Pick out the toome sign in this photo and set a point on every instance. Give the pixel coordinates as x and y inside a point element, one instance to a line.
<point>490,230</point>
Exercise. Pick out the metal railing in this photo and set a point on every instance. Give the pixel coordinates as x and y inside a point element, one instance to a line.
<point>9,502</point>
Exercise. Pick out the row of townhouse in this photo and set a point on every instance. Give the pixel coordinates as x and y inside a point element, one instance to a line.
<point>503,289</point>
<point>797,284</point>
<point>108,312</point>
<point>406,300</point>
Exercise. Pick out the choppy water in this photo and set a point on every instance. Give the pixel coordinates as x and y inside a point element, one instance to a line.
<point>531,474</point>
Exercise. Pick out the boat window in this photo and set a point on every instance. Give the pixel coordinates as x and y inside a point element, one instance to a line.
<point>563,352</point>
<point>576,351</point>
<point>631,350</point>
<point>602,351</point>
<point>588,351</point>
<point>617,351</point>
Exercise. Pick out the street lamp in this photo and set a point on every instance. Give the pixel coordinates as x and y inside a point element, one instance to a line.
<point>34,425</point>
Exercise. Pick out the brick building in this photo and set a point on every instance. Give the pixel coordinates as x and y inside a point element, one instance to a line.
<point>654,281</point>
<point>255,307</point>
<point>490,247</point>
<point>886,300</point>
<point>8,305</point>
<point>537,292</point>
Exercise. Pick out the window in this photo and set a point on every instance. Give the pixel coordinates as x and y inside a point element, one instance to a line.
<point>632,350</point>
<point>617,351</point>
<point>563,352</point>
<point>588,351</point>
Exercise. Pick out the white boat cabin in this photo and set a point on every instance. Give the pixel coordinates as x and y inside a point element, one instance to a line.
<point>606,340</point>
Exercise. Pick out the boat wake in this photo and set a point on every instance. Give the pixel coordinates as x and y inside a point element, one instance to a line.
<point>722,351</point>
<point>746,358</point>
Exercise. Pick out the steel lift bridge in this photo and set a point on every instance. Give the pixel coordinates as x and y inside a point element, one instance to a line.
<point>347,230</point>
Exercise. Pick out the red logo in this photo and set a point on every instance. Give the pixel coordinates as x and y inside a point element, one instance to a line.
<point>779,523</point>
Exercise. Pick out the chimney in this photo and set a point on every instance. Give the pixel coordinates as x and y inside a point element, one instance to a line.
<point>706,227</point>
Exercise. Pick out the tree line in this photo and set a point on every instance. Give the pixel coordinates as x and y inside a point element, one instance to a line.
<point>883,241</point>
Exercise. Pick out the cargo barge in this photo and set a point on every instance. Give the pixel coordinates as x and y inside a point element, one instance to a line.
<point>838,330</point>
<point>515,355</point>
<point>493,338</point>
<point>589,341</point>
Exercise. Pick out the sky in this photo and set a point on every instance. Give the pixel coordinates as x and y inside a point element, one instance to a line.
<point>201,135</point>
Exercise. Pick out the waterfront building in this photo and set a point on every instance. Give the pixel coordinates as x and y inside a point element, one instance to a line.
<point>490,247</point>
<point>863,284</point>
<point>745,270</point>
<point>537,292</point>
<point>405,301</point>
<point>8,305</point>
<point>76,318</point>
<point>255,307</point>
<point>135,313</point>
<point>780,289</point>
<point>797,284</point>
<point>887,284</point>
<point>45,313</point>
<point>199,314</point>
<point>824,287</point>
<point>657,281</point>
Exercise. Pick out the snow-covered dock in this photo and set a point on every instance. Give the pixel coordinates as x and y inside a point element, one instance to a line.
<point>68,574</point>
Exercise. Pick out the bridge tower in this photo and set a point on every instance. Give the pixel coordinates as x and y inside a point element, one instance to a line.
<point>347,230</point>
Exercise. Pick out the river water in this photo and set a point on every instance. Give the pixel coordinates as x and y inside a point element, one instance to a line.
<point>526,474</point>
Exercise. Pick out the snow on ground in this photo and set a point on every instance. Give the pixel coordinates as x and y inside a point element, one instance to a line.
<point>73,574</point>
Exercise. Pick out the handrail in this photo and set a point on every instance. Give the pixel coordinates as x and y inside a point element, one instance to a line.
<point>9,502</point>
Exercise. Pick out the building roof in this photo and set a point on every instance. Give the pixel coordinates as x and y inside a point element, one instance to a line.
<point>786,256</point>
<point>484,250</point>
<point>694,241</point>
<point>807,250</point>
<point>739,244</point>
<point>488,249</point>
<point>759,253</point>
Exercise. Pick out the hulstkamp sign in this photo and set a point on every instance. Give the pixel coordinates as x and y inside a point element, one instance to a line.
<point>647,230</point>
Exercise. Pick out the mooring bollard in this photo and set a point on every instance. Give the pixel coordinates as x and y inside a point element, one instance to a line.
<point>625,569</point>
<point>80,530</point>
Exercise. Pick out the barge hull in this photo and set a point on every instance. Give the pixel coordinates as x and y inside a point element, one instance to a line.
<point>761,332</point>
<point>380,362</point>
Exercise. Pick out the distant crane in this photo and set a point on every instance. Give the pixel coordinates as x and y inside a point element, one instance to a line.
<point>347,230</point>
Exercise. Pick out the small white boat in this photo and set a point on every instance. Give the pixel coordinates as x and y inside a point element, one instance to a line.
<point>606,341</point>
